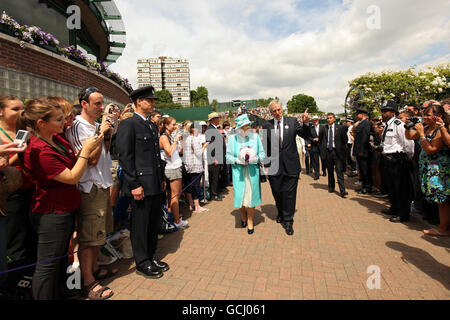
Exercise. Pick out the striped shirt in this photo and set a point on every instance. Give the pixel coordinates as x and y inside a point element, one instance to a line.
<point>193,154</point>
<point>100,174</point>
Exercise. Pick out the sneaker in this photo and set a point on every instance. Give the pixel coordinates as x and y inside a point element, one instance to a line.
<point>183,224</point>
<point>160,236</point>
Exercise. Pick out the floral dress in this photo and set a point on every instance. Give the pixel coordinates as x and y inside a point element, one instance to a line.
<point>434,170</point>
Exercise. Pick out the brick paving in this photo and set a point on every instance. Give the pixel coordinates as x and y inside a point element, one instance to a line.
<point>335,240</point>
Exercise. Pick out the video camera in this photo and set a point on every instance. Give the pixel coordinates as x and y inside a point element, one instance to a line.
<point>411,122</point>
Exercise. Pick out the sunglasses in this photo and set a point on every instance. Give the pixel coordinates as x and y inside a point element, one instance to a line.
<point>84,96</point>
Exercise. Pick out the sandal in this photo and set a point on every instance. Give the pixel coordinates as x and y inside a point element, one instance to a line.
<point>435,232</point>
<point>88,292</point>
<point>109,273</point>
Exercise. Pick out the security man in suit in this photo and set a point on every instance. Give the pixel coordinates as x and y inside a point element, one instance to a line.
<point>396,153</point>
<point>362,149</point>
<point>216,152</point>
<point>137,145</point>
<point>284,181</point>
<point>317,133</point>
<point>336,137</point>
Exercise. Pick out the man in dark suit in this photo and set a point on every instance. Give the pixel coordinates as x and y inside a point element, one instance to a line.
<point>317,132</point>
<point>362,149</point>
<point>216,152</point>
<point>137,145</point>
<point>284,169</point>
<point>336,137</point>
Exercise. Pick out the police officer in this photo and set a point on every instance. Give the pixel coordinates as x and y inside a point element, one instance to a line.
<point>137,145</point>
<point>396,153</point>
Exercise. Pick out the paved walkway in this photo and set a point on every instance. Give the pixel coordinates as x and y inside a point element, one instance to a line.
<point>334,243</point>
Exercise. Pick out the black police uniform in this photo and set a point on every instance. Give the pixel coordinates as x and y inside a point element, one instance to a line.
<point>395,166</point>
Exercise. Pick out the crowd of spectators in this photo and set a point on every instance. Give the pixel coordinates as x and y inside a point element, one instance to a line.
<point>71,181</point>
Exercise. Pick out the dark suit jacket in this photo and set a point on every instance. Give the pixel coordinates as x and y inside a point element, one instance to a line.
<point>362,139</point>
<point>318,146</point>
<point>289,160</point>
<point>139,155</point>
<point>340,139</point>
<point>211,134</point>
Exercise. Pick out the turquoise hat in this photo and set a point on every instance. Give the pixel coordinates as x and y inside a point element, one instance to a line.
<point>242,120</point>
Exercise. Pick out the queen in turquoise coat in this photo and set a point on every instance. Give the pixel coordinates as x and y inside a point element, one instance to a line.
<point>245,152</point>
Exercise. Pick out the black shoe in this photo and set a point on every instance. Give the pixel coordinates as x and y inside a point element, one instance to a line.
<point>160,265</point>
<point>217,198</point>
<point>289,229</point>
<point>150,271</point>
<point>243,224</point>
<point>250,231</point>
<point>316,178</point>
<point>388,212</point>
<point>324,174</point>
<point>279,220</point>
<point>362,191</point>
<point>344,194</point>
<point>398,219</point>
<point>330,190</point>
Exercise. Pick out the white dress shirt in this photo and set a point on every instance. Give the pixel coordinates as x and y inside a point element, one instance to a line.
<point>395,140</point>
<point>281,126</point>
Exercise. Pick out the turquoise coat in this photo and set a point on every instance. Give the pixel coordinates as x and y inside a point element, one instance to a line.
<point>235,143</point>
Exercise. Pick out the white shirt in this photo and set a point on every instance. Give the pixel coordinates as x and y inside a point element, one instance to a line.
<point>281,126</point>
<point>395,140</point>
<point>173,162</point>
<point>317,129</point>
<point>349,136</point>
<point>100,174</point>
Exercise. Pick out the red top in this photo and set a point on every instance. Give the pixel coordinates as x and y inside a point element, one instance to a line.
<point>44,163</point>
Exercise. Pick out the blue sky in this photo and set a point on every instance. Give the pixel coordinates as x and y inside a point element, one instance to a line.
<point>256,48</point>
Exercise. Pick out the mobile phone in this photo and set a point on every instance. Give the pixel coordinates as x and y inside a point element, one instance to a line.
<point>21,137</point>
<point>97,131</point>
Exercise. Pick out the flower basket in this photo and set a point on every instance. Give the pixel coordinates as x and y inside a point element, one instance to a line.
<point>4,29</point>
<point>49,48</point>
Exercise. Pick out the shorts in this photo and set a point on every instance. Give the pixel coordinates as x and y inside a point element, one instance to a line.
<point>174,174</point>
<point>116,181</point>
<point>94,217</point>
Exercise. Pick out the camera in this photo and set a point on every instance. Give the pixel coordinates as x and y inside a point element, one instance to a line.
<point>411,122</point>
<point>21,137</point>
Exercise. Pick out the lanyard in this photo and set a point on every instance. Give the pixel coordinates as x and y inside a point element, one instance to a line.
<point>6,134</point>
<point>65,153</point>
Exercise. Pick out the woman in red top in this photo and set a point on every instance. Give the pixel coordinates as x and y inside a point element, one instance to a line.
<point>20,238</point>
<point>55,170</point>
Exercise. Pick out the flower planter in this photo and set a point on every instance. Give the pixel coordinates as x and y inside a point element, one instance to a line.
<point>4,29</point>
<point>49,48</point>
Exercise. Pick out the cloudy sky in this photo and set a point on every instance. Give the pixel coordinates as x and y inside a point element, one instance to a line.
<point>259,48</point>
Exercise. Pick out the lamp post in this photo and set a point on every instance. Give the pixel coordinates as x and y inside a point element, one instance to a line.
<point>348,94</point>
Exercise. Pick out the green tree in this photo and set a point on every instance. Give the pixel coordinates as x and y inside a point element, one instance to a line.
<point>202,97</point>
<point>263,102</point>
<point>404,86</point>
<point>193,97</point>
<point>214,104</point>
<point>300,102</point>
<point>164,96</point>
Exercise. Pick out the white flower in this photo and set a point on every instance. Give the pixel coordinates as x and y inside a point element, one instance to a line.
<point>440,90</point>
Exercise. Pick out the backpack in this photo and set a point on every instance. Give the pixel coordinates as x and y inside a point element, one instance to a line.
<point>167,222</point>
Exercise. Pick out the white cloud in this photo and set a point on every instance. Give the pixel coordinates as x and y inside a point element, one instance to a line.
<point>252,49</point>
